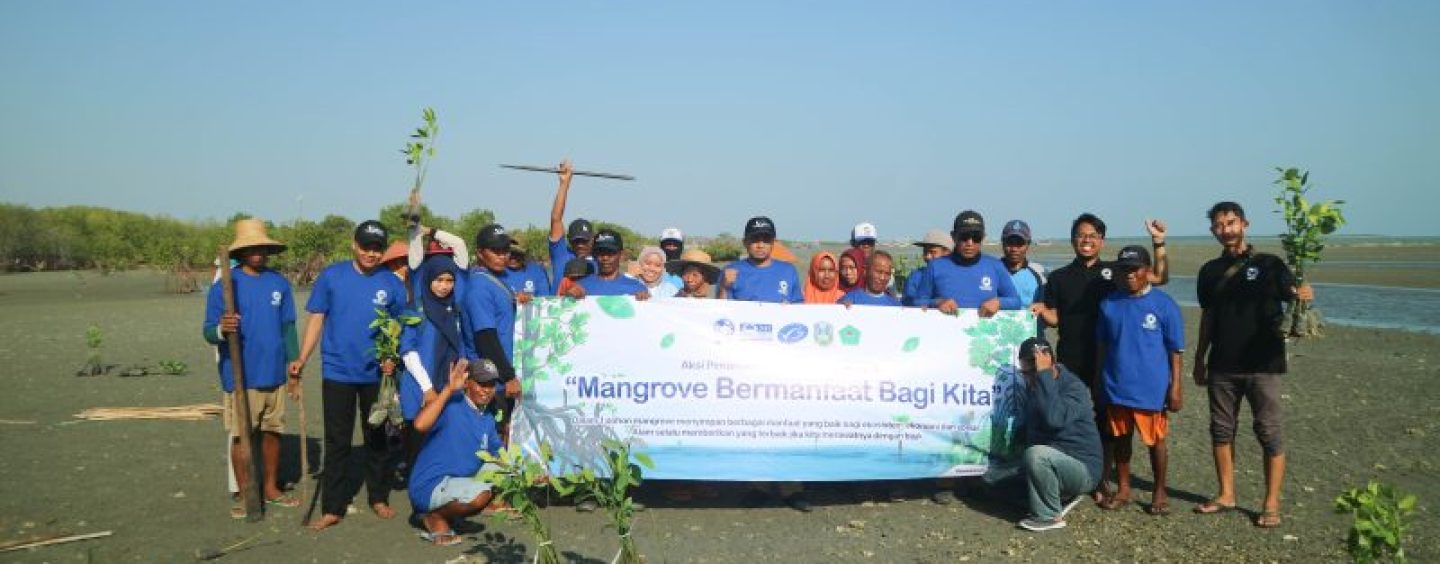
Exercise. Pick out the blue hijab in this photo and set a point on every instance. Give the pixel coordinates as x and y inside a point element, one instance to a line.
<point>441,313</point>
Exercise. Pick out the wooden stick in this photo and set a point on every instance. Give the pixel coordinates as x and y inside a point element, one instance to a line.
<point>304,453</point>
<point>18,545</point>
<point>555,170</point>
<point>240,400</point>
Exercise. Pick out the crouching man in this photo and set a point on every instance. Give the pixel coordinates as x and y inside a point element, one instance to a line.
<point>443,486</point>
<point>1063,462</point>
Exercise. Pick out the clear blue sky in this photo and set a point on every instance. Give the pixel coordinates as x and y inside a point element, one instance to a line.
<point>817,114</point>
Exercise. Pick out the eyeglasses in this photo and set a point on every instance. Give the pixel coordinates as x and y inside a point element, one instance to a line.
<point>970,237</point>
<point>1089,237</point>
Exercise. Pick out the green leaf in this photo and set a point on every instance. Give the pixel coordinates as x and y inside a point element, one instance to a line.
<point>910,344</point>
<point>618,307</point>
<point>648,462</point>
<point>667,340</point>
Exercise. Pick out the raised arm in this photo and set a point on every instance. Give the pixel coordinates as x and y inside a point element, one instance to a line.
<point>1161,273</point>
<point>557,210</point>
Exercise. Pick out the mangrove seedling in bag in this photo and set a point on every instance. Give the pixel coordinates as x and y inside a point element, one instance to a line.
<point>612,494</point>
<point>1307,223</point>
<point>387,348</point>
<point>1382,515</point>
<point>513,476</point>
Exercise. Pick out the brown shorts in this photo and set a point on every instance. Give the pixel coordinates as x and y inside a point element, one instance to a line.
<point>1153,426</point>
<point>267,410</point>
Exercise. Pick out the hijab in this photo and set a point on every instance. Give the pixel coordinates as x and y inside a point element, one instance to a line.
<point>441,312</point>
<point>857,255</point>
<point>813,293</point>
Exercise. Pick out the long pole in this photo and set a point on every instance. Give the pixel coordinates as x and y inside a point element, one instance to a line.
<point>304,453</point>
<point>240,400</point>
<point>555,170</point>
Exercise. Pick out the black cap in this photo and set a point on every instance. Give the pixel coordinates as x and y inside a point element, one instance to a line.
<point>581,229</point>
<point>577,267</point>
<point>371,233</point>
<point>1132,257</point>
<point>1028,347</point>
<point>492,237</point>
<point>608,240</point>
<point>483,371</point>
<point>759,226</point>
<point>969,221</point>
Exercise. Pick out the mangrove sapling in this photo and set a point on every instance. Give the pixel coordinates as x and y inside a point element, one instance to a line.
<point>1382,515</point>
<point>612,494</point>
<point>1306,225</point>
<point>387,349</point>
<point>418,153</point>
<point>173,368</point>
<point>513,476</point>
<point>94,365</point>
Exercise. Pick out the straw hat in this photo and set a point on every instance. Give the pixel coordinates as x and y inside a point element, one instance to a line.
<point>397,250</point>
<point>698,258</point>
<point>251,233</point>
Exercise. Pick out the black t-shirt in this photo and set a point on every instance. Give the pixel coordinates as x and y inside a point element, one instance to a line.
<point>1246,311</point>
<point>1074,291</point>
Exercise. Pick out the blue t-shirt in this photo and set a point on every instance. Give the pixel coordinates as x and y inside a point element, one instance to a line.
<point>491,305</point>
<point>1139,333</point>
<point>1029,283</point>
<point>859,296</point>
<point>532,280</point>
<point>560,254</point>
<point>265,305</point>
<point>424,341</point>
<point>349,300</point>
<point>621,285</point>
<point>459,432</point>
<point>777,283</point>
<point>916,289</point>
<point>971,285</point>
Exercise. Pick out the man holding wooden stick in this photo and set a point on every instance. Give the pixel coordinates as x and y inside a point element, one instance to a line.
<point>264,322</point>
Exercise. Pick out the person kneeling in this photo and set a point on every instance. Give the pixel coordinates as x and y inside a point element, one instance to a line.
<point>443,486</point>
<point>1063,461</point>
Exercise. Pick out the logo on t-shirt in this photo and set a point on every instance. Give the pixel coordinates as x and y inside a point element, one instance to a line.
<point>1151,323</point>
<point>1105,273</point>
<point>381,298</point>
<point>530,286</point>
<point>784,288</point>
<point>984,283</point>
<point>1252,273</point>
<point>275,298</point>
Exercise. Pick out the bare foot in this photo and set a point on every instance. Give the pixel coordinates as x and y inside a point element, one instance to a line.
<point>382,510</point>
<point>326,521</point>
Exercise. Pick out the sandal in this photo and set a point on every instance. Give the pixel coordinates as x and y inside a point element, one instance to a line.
<point>283,501</point>
<point>442,538</point>
<point>1268,519</point>
<point>238,512</point>
<point>1159,508</point>
<point>1212,507</point>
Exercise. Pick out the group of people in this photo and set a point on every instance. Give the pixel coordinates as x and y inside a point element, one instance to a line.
<point>1114,372</point>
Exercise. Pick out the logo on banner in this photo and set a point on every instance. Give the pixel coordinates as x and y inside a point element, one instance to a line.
<point>724,327</point>
<point>824,333</point>
<point>381,298</point>
<point>1252,273</point>
<point>275,298</point>
<point>849,336</point>
<point>1151,322</point>
<point>793,333</point>
<point>756,331</point>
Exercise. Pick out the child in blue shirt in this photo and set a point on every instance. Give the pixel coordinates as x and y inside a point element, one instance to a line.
<point>443,487</point>
<point>1141,337</point>
<point>264,321</point>
<point>761,278</point>
<point>875,291</point>
<point>342,306</point>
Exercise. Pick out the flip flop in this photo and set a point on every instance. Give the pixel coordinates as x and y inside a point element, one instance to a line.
<point>283,501</point>
<point>443,538</point>
<point>1159,509</point>
<point>1212,507</point>
<point>238,512</point>
<point>1268,520</point>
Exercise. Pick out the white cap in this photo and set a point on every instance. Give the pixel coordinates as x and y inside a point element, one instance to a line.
<point>672,233</point>
<point>863,231</point>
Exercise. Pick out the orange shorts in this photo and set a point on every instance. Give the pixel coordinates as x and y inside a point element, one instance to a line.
<point>1153,426</point>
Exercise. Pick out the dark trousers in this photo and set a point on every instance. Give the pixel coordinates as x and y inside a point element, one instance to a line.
<point>341,402</point>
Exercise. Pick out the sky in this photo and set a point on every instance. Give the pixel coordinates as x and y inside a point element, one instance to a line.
<point>817,114</point>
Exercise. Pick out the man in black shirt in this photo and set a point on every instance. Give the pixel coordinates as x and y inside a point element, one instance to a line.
<point>1072,302</point>
<point>1241,353</point>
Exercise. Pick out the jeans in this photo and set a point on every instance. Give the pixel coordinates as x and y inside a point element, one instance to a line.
<point>1052,477</point>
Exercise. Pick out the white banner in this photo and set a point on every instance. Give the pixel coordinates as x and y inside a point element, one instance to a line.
<point>721,390</point>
